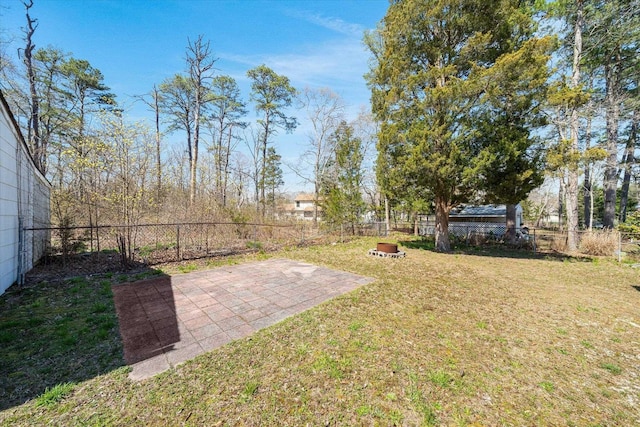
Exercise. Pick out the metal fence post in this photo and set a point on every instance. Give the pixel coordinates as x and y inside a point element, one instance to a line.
<point>21,255</point>
<point>619,247</point>
<point>177,243</point>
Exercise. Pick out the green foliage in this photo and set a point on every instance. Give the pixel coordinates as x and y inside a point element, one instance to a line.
<point>547,386</point>
<point>177,95</point>
<point>187,268</point>
<point>452,83</point>
<point>272,94</point>
<point>227,110</point>
<point>272,176</point>
<point>249,390</point>
<point>611,367</point>
<point>632,225</point>
<point>254,245</point>
<point>342,201</point>
<point>598,206</point>
<point>55,394</point>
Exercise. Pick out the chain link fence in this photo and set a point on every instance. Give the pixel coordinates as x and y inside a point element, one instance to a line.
<point>156,243</point>
<point>590,242</point>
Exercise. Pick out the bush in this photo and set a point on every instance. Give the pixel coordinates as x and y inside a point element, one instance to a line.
<point>632,225</point>
<point>600,243</point>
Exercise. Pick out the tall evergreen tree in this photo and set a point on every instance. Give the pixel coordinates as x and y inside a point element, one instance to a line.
<point>613,45</point>
<point>342,201</point>
<point>176,103</point>
<point>227,111</point>
<point>509,164</point>
<point>272,95</point>
<point>272,177</point>
<point>567,120</point>
<point>428,77</point>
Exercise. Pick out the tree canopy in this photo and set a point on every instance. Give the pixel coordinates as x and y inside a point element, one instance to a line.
<point>433,85</point>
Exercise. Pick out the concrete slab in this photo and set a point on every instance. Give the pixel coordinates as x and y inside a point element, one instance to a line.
<point>167,320</point>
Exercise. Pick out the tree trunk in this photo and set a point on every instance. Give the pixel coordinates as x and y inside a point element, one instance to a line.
<point>629,160</point>
<point>510,234</point>
<point>196,140</point>
<point>571,206</point>
<point>316,190</point>
<point>387,216</point>
<point>158,158</point>
<point>442,225</point>
<point>37,151</point>
<point>191,162</point>
<point>571,194</point>
<point>193,173</point>
<point>225,168</point>
<point>611,166</point>
<point>588,187</point>
<point>561,205</point>
<point>263,172</point>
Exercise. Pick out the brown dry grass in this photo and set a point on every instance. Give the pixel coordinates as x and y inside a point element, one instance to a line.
<point>599,242</point>
<point>482,338</point>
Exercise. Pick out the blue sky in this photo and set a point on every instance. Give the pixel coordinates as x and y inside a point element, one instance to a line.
<point>139,43</point>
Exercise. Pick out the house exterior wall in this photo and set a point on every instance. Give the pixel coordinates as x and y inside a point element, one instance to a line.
<point>303,208</point>
<point>24,203</point>
<point>8,203</point>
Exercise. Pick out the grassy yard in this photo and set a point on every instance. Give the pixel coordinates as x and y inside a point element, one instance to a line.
<point>473,338</point>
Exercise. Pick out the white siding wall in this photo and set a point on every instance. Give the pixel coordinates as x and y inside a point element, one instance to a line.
<point>8,203</point>
<point>24,197</point>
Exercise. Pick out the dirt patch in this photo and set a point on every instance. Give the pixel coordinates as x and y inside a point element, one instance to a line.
<point>55,269</point>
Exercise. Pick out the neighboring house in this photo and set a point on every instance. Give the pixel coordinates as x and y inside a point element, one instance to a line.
<point>24,203</point>
<point>478,219</point>
<point>301,208</point>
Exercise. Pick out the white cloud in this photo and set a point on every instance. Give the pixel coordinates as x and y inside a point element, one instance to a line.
<point>338,64</point>
<point>330,23</point>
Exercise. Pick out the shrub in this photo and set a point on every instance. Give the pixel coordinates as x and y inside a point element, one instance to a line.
<point>632,224</point>
<point>599,243</point>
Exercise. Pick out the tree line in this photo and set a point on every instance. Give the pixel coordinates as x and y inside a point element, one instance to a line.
<point>472,101</point>
<point>480,100</point>
<point>107,169</point>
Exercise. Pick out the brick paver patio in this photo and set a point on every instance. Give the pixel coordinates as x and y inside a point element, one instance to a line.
<point>167,320</point>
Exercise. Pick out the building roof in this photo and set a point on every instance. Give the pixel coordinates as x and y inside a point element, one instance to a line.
<point>20,137</point>
<point>486,211</point>
<point>305,197</point>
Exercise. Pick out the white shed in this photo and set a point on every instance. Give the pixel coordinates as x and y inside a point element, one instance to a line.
<point>24,203</point>
<point>485,219</point>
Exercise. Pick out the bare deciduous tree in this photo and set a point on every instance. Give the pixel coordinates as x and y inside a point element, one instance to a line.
<point>325,111</point>
<point>200,63</point>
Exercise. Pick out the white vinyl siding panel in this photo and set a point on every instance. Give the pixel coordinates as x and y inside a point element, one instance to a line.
<point>24,195</point>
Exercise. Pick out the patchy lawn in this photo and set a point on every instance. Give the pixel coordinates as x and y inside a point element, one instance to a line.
<point>480,337</point>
